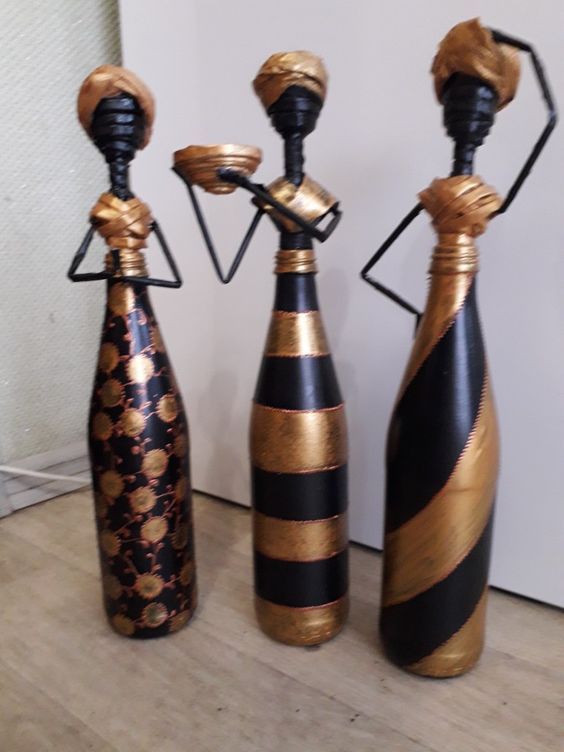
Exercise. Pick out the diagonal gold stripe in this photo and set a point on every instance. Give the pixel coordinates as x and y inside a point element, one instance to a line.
<point>430,545</point>
<point>296,334</point>
<point>298,540</point>
<point>302,626</point>
<point>446,296</point>
<point>462,651</point>
<point>298,441</point>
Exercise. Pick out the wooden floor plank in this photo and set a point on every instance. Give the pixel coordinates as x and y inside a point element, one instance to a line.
<point>220,684</point>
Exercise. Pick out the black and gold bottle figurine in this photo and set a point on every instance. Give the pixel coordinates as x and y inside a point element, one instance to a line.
<point>138,434</point>
<point>298,436</point>
<point>443,447</point>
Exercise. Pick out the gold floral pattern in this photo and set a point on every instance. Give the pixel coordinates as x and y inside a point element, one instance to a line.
<point>142,500</point>
<point>149,585</point>
<point>154,463</point>
<point>154,530</point>
<point>111,483</point>
<point>123,625</point>
<point>140,369</point>
<point>109,357</point>
<point>154,615</point>
<point>111,393</point>
<point>139,452</point>
<point>102,426</point>
<point>132,422</point>
<point>167,409</point>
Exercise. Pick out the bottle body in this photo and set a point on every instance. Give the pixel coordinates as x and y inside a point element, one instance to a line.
<point>442,467</point>
<point>299,469</point>
<point>138,437</point>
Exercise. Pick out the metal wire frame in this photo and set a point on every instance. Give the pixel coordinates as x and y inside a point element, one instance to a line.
<point>260,192</point>
<point>522,175</point>
<point>148,281</point>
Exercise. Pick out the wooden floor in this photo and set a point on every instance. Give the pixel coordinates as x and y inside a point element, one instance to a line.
<point>69,684</point>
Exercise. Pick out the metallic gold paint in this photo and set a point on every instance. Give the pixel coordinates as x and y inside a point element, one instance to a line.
<point>199,164</point>
<point>302,626</point>
<point>461,652</point>
<point>298,540</point>
<point>429,546</point>
<point>294,334</point>
<point>298,441</point>
<point>295,262</point>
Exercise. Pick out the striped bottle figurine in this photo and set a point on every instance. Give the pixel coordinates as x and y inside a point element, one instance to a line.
<point>442,458</point>
<point>298,435</point>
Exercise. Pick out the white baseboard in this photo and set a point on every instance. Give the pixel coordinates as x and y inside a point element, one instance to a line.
<point>18,492</point>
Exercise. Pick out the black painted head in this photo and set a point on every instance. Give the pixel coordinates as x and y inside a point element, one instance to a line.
<point>118,127</point>
<point>469,105</point>
<point>295,112</point>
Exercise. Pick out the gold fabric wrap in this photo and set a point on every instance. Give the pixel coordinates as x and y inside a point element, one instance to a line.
<point>285,69</point>
<point>107,81</point>
<point>308,200</point>
<point>469,48</point>
<point>460,205</point>
<point>122,224</point>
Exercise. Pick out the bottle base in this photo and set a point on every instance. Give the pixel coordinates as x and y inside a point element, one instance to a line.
<point>126,627</point>
<point>302,627</point>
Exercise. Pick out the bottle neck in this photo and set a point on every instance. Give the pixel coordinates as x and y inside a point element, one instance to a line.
<point>126,262</point>
<point>455,253</point>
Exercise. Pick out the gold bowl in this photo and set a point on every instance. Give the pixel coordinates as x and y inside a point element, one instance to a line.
<point>199,164</point>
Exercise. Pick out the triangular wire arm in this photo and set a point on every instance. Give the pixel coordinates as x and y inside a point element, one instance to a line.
<point>260,192</point>
<point>79,256</point>
<point>225,278</point>
<point>390,240</point>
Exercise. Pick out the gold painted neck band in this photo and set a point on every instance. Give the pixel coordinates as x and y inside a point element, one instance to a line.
<point>296,262</point>
<point>131,264</point>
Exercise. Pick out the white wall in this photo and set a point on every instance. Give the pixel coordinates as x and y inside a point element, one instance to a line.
<point>49,179</point>
<point>379,141</point>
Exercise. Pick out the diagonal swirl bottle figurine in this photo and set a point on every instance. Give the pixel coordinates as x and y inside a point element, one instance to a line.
<point>138,434</point>
<point>443,444</point>
<point>298,436</point>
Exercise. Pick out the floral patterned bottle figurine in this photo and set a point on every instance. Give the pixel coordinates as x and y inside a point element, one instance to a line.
<point>138,434</point>
<point>443,446</point>
<point>298,429</point>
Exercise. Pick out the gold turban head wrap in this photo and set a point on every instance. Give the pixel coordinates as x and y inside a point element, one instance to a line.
<point>470,48</point>
<point>285,69</point>
<point>107,81</point>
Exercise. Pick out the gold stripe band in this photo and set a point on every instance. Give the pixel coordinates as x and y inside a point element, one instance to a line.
<point>429,546</point>
<point>296,334</point>
<point>302,626</point>
<point>297,540</point>
<point>462,651</point>
<point>298,441</point>
<point>446,297</point>
<point>296,262</point>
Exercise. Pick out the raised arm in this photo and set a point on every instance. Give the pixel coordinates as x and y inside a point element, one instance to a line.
<point>551,121</point>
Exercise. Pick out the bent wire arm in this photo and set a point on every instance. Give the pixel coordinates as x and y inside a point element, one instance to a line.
<point>147,281</point>
<point>390,240</point>
<point>502,38</point>
<point>225,279</point>
<point>231,176</point>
